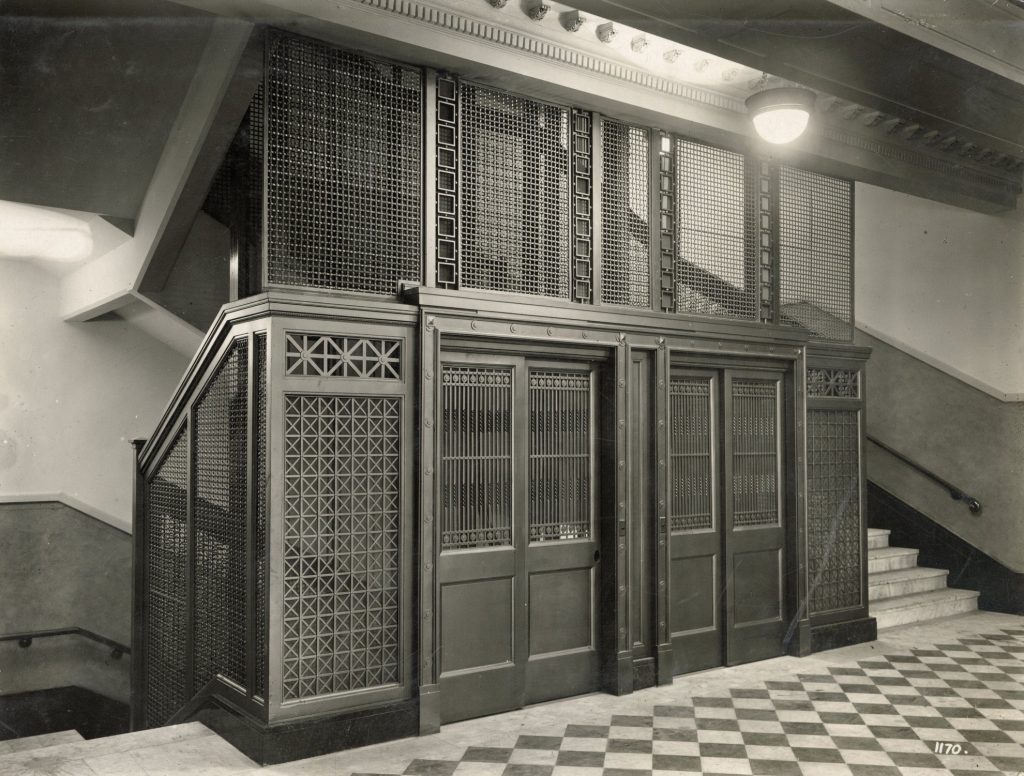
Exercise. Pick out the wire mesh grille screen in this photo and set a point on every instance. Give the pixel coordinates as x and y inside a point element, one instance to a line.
<point>344,167</point>
<point>691,500</point>
<point>252,245</point>
<point>342,557</point>
<point>220,441</point>
<point>833,509</point>
<point>514,166</point>
<point>166,556</point>
<point>625,214</point>
<point>815,253</point>
<point>714,258</point>
<point>755,453</point>
<point>560,455</point>
<point>259,538</point>
<point>476,457</point>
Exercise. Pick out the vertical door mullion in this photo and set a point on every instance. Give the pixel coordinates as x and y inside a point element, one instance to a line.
<point>520,519</point>
<point>727,512</point>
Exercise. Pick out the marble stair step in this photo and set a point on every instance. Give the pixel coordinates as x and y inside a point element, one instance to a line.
<point>69,757</point>
<point>891,559</point>
<point>878,538</point>
<point>893,584</point>
<point>42,741</point>
<point>922,606</point>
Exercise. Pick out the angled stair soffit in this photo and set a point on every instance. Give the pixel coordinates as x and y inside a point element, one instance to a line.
<point>554,51</point>
<point>224,79</point>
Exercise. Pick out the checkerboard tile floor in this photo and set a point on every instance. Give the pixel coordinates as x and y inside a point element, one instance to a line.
<point>879,717</point>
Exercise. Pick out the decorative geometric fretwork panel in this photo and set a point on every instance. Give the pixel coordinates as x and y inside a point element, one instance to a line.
<point>815,253</point>
<point>327,355</point>
<point>164,612</point>
<point>833,509</point>
<point>691,501</point>
<point>219,452</point>
<point>560,455</point>
<point>833,383</point>
<point>755,452</point>
<point>344,168</point>
<point>714,264</point>
<point>514,169</point>
<point>447,183</point>
<point>625,214</point>
<point>342,523</point>
<point>582,207</point>
<point>476,457</point>
<point>259,536</point>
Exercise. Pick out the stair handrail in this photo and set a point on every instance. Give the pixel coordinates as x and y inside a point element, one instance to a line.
<point>25,638</point>
<point>957,494</point>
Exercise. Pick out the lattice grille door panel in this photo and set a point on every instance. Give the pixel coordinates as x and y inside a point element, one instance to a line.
<point>344,168</point>
<point>691,497</point>
<point>833,509</point>
<point>514,170</point>
<point>220,442</point>
<point>715,260</point>
<point>342,524</point>
<point>166,603</point>
<point>476,457</point>
<point>815,253</point>
<point>560,455</point>
<point>755,453</point>
<point>625,211</point>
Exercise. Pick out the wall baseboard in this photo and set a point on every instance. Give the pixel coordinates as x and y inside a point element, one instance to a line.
<point>1001,588</point>
<point>69,501</point>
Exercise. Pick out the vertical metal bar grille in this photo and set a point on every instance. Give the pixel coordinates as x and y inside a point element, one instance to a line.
<point>165,606</point>
<point>582,207</point>
<point>755,453</point>
<point>476,457</point>
<point>344,167</point>
<point>515,193</point>
<point>560,455</point>
<point>815,253</point>
<point>220,440</point>
<point>342,558</point>
<point>712,259</point>
<point>691,494</point>
<point>447,182</point>
<point>625,210</point>
<point>259,540</point>
<point>833,509</point>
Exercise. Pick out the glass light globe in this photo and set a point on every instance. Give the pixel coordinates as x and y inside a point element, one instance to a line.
<point>781,115</point>
<point>782,125</point>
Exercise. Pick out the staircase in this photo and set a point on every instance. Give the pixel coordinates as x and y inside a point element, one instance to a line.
<point>900,591</point>
<point>184,748</point>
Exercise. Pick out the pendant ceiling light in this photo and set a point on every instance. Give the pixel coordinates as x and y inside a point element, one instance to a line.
<point>781,115</point>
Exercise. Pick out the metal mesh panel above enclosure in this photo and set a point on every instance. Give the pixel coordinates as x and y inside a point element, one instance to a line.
<point>815,253</point>
<point>625,214</point>
<point>219,443</point>
<point>715,261</point>
<point>514,167</point>
<point>344,167</point>
<point>166,598</point>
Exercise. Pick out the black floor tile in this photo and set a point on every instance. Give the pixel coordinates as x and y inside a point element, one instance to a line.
<point>676,762</point>
<point>806,754</point>
<point>775,768</point>
<point>630,745</point>
<point>490,754</point>
<point>539,742</point>
<point>581,759</point>
<point>431,767</point>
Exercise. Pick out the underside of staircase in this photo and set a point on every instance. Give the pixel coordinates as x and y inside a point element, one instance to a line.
<point>901,592</point>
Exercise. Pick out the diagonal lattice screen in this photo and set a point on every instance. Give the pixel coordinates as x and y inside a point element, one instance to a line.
<point>714,262</point>
<point>344,168</point>
<point>815,253</point>
<point>625,213</point>
<point>514,168</point>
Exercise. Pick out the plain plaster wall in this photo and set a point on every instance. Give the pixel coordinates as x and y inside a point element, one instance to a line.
<point>74,395</point>
<point>944,283</point>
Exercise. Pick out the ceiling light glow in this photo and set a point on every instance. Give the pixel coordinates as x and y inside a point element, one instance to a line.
<point>781,115</point>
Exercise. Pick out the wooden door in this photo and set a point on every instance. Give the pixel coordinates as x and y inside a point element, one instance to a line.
<point>518,548</point>
<point>695,525</point>
<point>754,526</point>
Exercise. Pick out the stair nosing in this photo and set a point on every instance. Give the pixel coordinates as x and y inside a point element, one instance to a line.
<point>77,750</point>
<point>930,596</point>
<point>901,575</point>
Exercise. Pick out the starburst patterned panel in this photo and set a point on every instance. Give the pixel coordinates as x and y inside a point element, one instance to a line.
<point>833,383</point>
<point>342,526</point>
<point>325,355</point>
